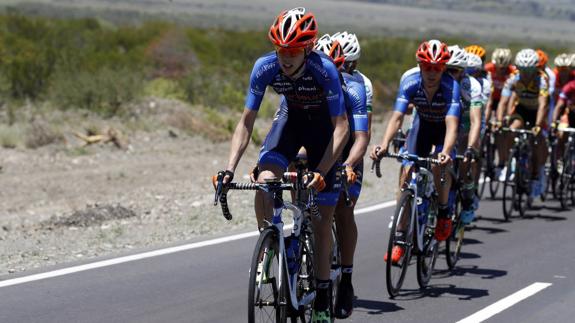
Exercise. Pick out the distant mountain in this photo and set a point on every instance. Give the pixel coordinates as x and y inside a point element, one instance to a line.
<point>552,9</point>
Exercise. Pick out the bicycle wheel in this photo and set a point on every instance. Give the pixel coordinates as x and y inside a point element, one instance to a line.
<point>426,259</point>
<point>565,182</point>
<point>509,189</point>
<point>306,276</point>
<point>266,303</point>
<point>335,273</point>
<point>395,272</point>
<point>455,241</point>
<point>483,171</point>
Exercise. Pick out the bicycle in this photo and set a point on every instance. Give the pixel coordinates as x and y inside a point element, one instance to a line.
<point>282,280</point>
<point>417,207</point>
<point>517,188</point>
<point>488,165</point>
<point>567,177</point>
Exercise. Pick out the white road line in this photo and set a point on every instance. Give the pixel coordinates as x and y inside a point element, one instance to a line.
<point>505,303</point>
<point>155,253</point>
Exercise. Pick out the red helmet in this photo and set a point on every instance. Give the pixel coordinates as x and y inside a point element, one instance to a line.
<point>543,58</point>
<point>332,48</point>
<point>433,52</point>
<point>294,28</point>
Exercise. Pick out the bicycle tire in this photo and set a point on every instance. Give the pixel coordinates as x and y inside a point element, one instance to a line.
<point>483,170</point>
<point>403,209</point>
<point>427,258</point>
<point>306,276</point>
<point>455,241</point>
<point>335,266</point>
<point>266,252</point>
<point>565,182</point>
<point>509,191</point>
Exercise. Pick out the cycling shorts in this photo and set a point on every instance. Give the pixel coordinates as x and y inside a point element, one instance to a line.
<point>528,116</point>
<point>294,128</point>
<point>423,136</point>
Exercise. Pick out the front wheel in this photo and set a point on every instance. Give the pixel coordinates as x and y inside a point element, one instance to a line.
<point>401,237</point>
<point>266,302</point>
<point>426,259</point>
<point>509,189</point>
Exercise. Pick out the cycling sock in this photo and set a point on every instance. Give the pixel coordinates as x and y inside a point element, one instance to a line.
<point>346,272</point>
<point>321,300</point>
<point>443,211</point>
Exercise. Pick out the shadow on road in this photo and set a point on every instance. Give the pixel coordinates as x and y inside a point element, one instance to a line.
<point>441,290</point>
<point>494,220</point>
<point>490,230</point>
<point>375,307</point>
<point>474,270</point>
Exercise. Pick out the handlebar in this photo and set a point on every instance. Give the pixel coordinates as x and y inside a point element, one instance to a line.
<point>568,130</point>
<point>521,131</point>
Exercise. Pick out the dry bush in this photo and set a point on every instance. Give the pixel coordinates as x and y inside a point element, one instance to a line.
<point>41,134</point>
<point>195,124</point>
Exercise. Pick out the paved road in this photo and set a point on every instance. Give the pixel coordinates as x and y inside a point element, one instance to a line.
<point>209,284</point>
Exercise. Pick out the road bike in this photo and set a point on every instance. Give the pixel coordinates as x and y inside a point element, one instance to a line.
<point>282,279</point>
<point>517,185</point>
<point>413,224</point>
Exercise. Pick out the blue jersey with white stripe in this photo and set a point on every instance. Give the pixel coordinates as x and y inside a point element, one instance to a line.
<point>355,102</point>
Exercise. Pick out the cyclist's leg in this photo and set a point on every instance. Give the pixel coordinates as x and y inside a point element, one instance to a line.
<point>278,149</point>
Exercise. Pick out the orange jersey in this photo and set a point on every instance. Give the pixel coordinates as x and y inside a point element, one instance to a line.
<point>497,80</point>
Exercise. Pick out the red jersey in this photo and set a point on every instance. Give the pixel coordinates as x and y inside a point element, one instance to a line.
<point>559,83</point>
<point>568,93</point>
<point>497,81</point>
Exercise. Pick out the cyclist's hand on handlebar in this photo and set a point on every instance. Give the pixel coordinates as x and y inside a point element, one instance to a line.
<point>497,125</point>
<point>444,159</point>
<point>225,176</point>
<point>315,180</point>
<point>254,174</point>
<point>351,175</point>
<point>470,154</point>
<point>536,130</point>
<point>377,152</point>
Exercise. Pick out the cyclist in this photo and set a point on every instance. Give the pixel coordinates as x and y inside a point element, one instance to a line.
<point>358,95</point>
<point>542,65</point>
<point>314,117</point>
<point>529,87</point>
<point>352,52</point>
<point>435,96</point>
<point>498,71</point>
<point>563,72</point>
<point>472,102</point>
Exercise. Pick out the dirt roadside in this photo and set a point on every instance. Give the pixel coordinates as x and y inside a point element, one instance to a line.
<point>58,207</point>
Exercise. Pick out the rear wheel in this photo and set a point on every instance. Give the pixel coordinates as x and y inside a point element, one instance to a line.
<point>335,273</point>
<point>565,182</point>
<point>509,189</point>
<point>266,302</point>
<point>400,236</point>
<point>306,276</point>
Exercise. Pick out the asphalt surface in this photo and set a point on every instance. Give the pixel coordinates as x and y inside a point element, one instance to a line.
<point>209,284</point>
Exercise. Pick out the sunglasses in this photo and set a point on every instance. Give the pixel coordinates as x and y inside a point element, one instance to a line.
<point>527,69</point>
<point>432,67</point>
<point>455,70</point>
<point>290,51</point>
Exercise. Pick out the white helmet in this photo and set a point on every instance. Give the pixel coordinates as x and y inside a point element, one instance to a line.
<point>526,58</point>
<point>350,44</point>
<point>501,57</point>
<point>323,44</point>
<point>474,61</point>
<point>573,60</point>
<point>458,57</point>
<point>563,60</point>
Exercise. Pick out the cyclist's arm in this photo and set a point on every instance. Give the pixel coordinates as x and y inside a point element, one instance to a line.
<point>542,110</point>
<point>451,125</point>
<point>369,116</point>
<point>393,125</point>
<point>475,129</point>
<point>559,107</point>
<point>358,149</point>
<point>510,107</point>
<point>241,137</point>
<point>336,144</point>
<point>488,108</point>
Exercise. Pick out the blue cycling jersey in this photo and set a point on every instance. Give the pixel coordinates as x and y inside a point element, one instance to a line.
<point>428,127</point>
<point>445,101</point>
<point>318,87</point>
<point>355,102</point>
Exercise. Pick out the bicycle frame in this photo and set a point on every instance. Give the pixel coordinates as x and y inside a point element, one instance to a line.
<point>419,220</point>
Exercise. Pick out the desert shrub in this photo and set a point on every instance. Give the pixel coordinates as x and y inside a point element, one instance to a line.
<point>104,91</point>
<point>41,134</point>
